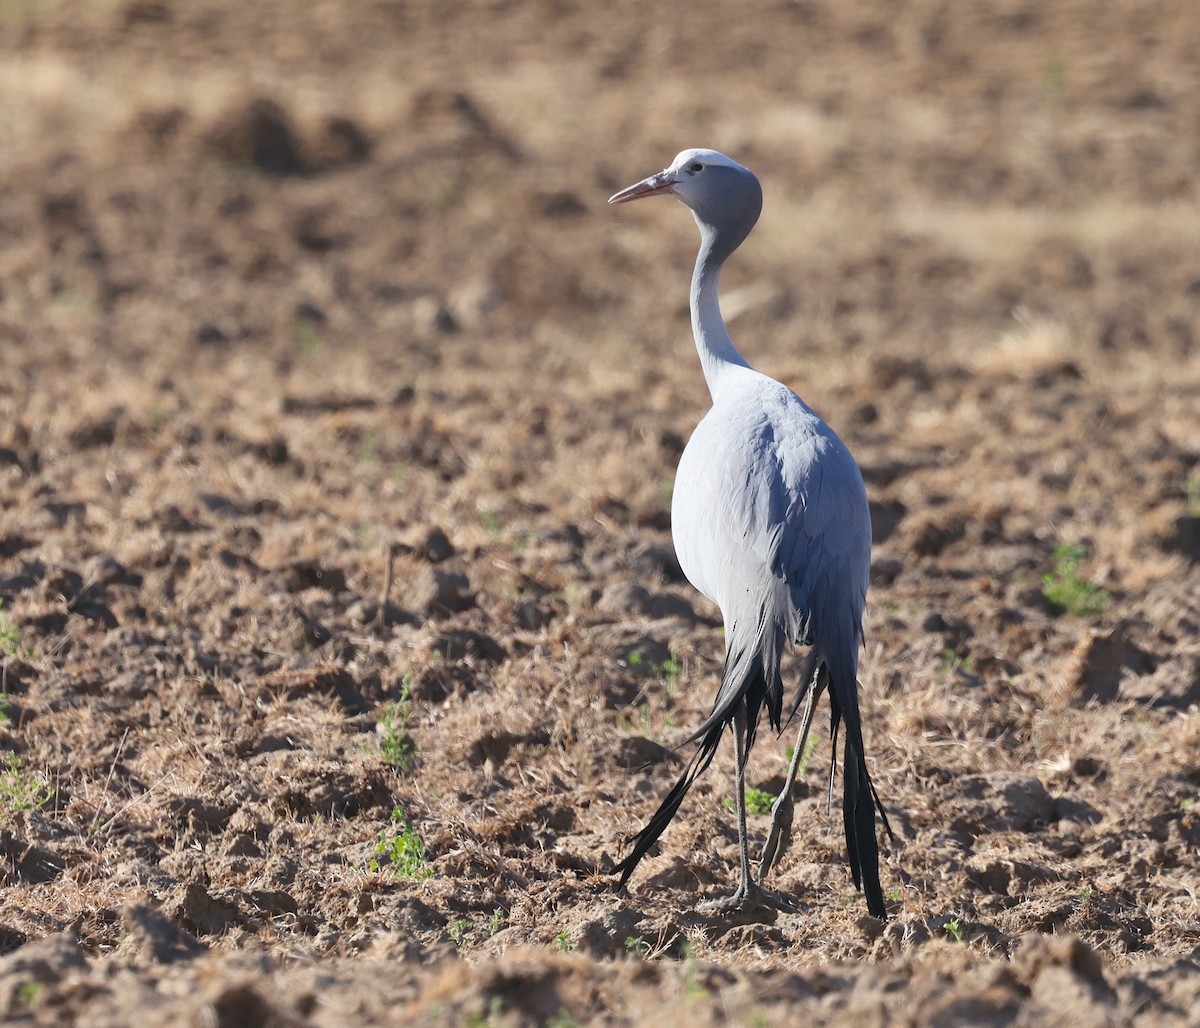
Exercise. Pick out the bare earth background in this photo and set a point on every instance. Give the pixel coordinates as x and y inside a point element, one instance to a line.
<point>285,285</point>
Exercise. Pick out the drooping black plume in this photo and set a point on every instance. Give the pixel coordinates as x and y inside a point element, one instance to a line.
<point>751,677</point>
<point>859,798</point>
<point>649,835</point>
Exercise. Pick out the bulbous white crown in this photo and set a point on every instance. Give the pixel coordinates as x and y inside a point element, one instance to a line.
<point>709,158</point>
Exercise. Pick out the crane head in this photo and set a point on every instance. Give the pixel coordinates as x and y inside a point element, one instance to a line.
<point>724,196</point>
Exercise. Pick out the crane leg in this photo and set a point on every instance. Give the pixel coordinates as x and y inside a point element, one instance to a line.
<point>779,838</point>
<point>748,893</point>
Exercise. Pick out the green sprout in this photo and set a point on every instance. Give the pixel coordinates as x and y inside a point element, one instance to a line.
<point>396,745</point>
<point>1191,494</point>
<point>645,725</point>
<point>306,338</point>
<point>668,671</point>
<point>1054,77</point>
<point>758,801</point>
<point>1065,591</point>
<point>693,988</point>
<point>401,853</point>
<point>457,930</point>
<point>19,790</point>
<point>952,662</point>
<point>636,944</point>
<point>810,748</point>
<point>489,1018</point>
<point>491,523</point>
<point>10,634</point>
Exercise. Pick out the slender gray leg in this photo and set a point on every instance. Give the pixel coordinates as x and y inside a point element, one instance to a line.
<point>747,894</point>
<point>779,838</point>
<point>739,735</point>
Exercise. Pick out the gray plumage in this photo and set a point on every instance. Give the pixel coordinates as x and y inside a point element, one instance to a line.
<point>770,521</point>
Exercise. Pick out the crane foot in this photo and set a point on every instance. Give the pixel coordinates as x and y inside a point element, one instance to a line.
<point>749,897</point>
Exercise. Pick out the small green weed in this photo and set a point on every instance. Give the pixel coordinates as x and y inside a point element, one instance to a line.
<point>490,522</point>
<point>126,948</point>
<point>563,942</point>
<point>457,930</point>
<point>28,993</point>
<point>1054,78</point>
<point>1191,494</point>
<point>19,790</point>
<point>496,921</point>
<point>894,895</point>
<point>368,447</point>
<point>954,929</point>
<point>10,634</point>
<point>1065,591</point>
<point>809,749</point>
<point>367,535</point>
<point>401,853</point>
<point>5,720</point>
<point>307,339</point>
<point>636,944</point>
<point>396,745</point>
<point>668,671</point>
<point>645,724</point>
<point>758,801</point>
<point>952,663</point>
<point>490,1017</point>
<point>693,988</point>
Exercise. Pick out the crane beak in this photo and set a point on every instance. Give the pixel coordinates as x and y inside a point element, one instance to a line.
<point>655,185</point>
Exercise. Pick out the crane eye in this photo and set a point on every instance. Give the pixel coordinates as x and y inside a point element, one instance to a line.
<point>694,167</point>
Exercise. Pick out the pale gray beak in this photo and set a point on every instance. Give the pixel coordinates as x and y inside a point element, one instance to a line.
<point>655,185</point>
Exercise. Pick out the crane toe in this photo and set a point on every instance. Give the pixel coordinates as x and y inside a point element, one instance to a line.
<point>749,897</point>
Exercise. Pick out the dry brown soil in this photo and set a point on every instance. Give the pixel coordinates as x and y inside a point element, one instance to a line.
<point>289,287</point>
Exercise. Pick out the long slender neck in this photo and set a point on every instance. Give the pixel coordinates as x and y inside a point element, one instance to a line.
<point>716,349</point>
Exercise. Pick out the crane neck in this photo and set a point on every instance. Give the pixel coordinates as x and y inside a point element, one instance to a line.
<point>717,351</point>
